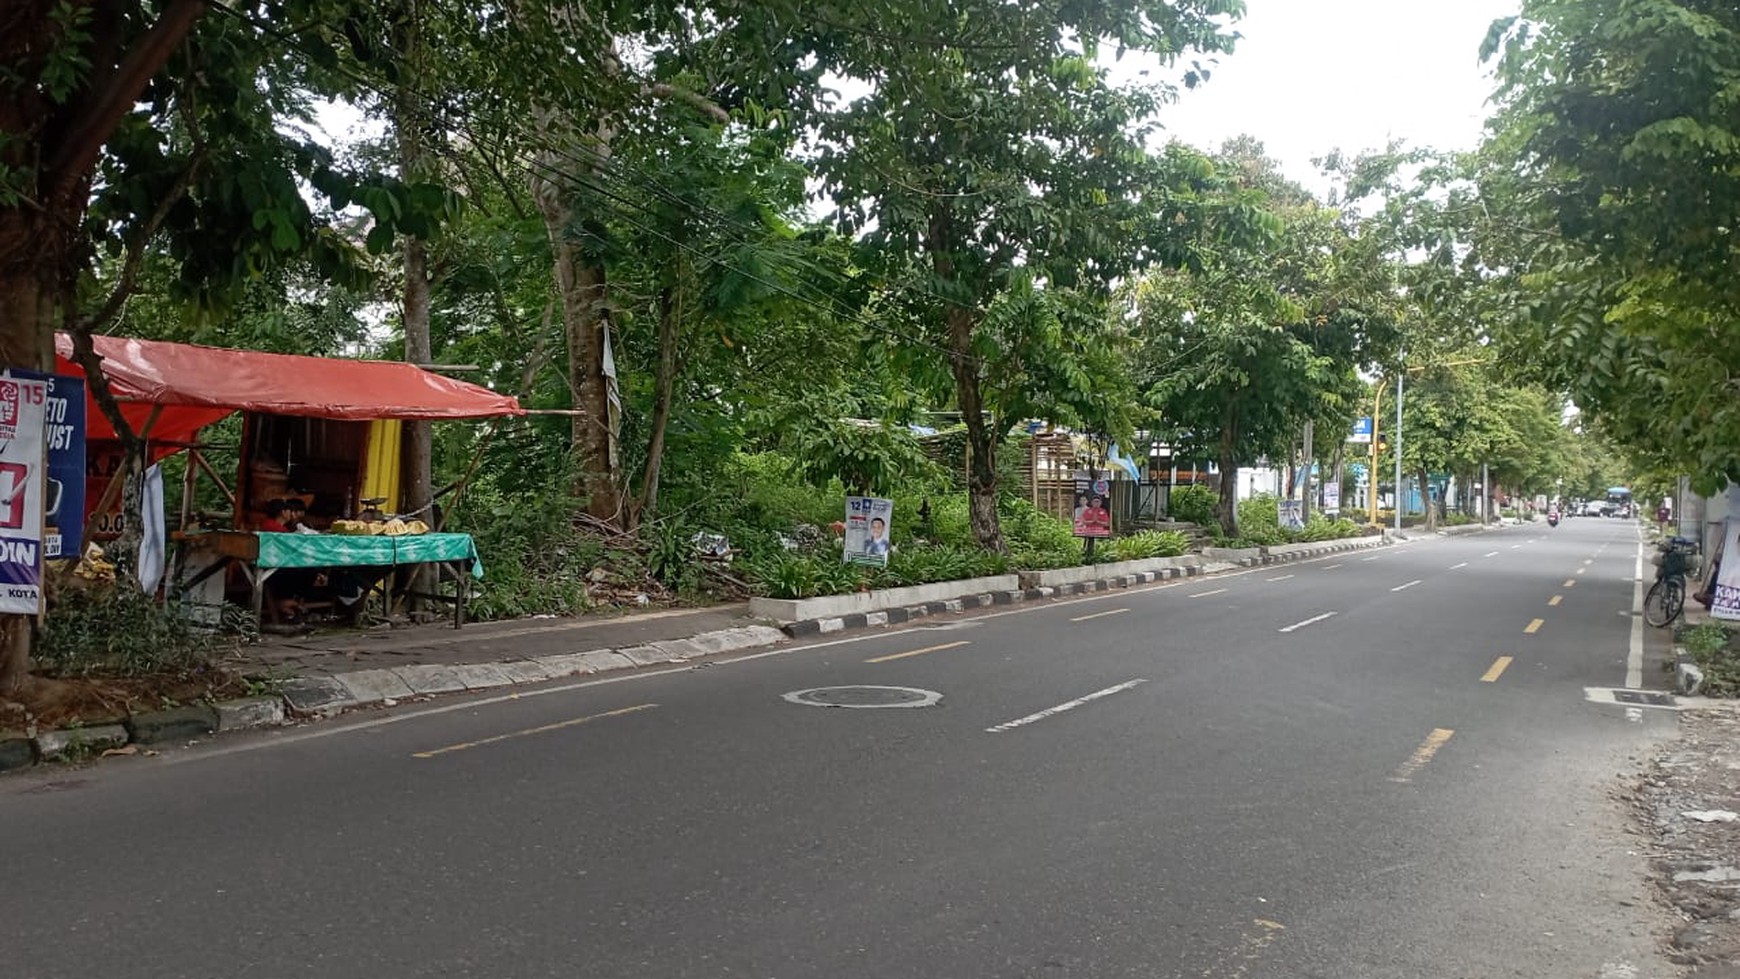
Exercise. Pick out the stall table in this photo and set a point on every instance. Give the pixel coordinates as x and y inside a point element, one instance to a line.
<point>262,554</point>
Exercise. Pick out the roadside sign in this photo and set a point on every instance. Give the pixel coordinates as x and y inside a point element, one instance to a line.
<point>1293,514</point>
<point>1361,431</point>
<point>22,479</point>
<point>64,438</point>
<point>1725,597</point>
<point>1332,495</point>
<point>1093,515</point>
<point>869,520</point>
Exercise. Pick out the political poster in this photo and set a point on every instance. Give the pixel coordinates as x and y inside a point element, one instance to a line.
<point>869,521</point>
<point>1332,496</point>
<point>64,436</point>
<point>1292,514</point>
<point>22,404</point>
<point>1725,597</point>
<point>1092,507</point>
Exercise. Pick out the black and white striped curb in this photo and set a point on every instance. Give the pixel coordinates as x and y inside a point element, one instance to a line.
<point>897,616</point>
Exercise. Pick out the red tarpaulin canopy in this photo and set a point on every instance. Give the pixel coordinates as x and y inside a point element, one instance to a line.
<point>198,385</point>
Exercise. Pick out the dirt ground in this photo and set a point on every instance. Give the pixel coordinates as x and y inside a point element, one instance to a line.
<point>1687,801</point>
<point>48,703</point>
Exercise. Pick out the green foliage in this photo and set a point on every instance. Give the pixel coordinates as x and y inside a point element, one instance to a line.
<point>1260,520</point>
<point>535,561</point>
<point>1142,545</point>
<point>119,632</point>
<point>1711,645</point>
<point>1194,504</point>
<point>807,575</point>
<point>868,459</point>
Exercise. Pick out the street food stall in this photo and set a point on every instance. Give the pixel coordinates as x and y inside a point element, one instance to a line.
<point>320,433</point>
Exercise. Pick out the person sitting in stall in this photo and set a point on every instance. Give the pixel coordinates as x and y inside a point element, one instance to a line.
<point>298,522</point>
<point>277,520</point>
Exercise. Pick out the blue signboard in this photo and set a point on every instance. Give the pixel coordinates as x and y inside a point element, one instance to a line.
<point>63,436</point>
<point>1361,431</point>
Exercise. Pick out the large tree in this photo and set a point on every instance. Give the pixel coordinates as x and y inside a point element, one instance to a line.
<point>995,177</point>
<point>1610,179</point>
<point>1267,333</point>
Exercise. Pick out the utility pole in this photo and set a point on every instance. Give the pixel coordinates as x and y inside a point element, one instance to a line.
<point>1399,376</point>
<point>1305,506</point>
<point>1377,404</point>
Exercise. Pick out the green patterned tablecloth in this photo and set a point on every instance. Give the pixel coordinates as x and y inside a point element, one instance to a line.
<point>344,551</point>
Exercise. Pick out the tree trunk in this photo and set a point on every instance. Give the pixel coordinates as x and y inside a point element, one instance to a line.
<point>664,390</point>
<point>416,439</point>
<point>1427,503</point>
<point>27,315</point>
<point>581,282</point>
<point>1226,509</point>
<point>981,434</point>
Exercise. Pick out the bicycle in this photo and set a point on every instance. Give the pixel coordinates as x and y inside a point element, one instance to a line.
<point>1667,597</point>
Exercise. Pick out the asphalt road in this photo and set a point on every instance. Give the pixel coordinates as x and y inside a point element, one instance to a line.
<point>1322,769</point>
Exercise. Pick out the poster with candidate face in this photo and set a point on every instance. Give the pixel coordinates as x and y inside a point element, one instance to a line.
<point>869,522</point>
<point>1093,507</point>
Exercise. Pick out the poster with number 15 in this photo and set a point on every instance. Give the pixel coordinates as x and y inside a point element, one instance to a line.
<point>21,464</point>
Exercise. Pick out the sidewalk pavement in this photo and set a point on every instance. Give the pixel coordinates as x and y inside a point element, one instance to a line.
<point>347,651</point>
<point>325,675</point>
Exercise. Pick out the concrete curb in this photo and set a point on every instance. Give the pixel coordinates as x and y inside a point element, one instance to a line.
<point>1688,675</point>
<point>895,616</point>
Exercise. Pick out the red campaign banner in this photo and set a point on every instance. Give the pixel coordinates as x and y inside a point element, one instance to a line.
<point>1092,506</point>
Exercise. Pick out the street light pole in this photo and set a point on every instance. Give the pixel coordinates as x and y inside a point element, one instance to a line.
<point>1398,441</point>
<point>1377,404</point>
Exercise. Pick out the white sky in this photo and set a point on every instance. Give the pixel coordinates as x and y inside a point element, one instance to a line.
<point>1315,75</point>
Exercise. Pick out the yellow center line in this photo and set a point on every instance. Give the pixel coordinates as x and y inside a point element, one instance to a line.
<point>1422,754</point>
<point>1556,599</point>
<point>1570,582</point>
<point>920,652</point>
<point>1534,626</point>
<point>1496,670</point>
<point>1205,594</point>
<point>1099,615</point>
<point>542,729</point>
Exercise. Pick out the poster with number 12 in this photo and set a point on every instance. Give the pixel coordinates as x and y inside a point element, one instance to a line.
<point>21,463</point>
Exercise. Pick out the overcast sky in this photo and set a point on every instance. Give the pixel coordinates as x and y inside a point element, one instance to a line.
<point>1315,75</point>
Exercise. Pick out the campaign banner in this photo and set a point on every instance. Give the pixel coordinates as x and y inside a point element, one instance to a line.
<point>1292,514</point>
<point>869,521</point>
<point>1092,507</point>
<point>1725,597</point>
<point>64,435</point>
<point>22,404</point>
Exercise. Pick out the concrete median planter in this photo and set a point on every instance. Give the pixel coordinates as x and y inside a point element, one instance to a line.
<point>835,606</point>
<point>1243,556</point>
<point>1055,577</point>
<point>1295,552</point>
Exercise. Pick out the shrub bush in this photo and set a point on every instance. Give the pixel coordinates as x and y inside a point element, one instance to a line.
<point>1194,504</point>
<point>1143,545</point>
<point>119,631</point>
<point>1711,646</point>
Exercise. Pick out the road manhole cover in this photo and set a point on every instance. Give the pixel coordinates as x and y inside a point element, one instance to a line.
<point>864,696</point>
